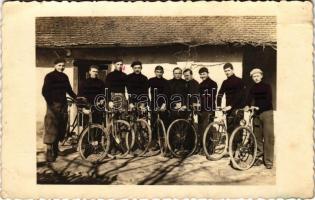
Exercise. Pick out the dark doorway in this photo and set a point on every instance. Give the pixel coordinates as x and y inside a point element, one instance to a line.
<point>264,58</point>
<point>83,69</point>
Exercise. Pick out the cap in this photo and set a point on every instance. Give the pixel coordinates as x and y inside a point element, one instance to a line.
<point>203,69</point>
<point>159,67</point>
<point>254,71</point>
<point>59,60</point>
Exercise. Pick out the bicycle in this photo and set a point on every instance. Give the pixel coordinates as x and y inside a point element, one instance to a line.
<point>215,137</point>
<point>243,144</point>
<point>138,120</point>
<point>181,137</point>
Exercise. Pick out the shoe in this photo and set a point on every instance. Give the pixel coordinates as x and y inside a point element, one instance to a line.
<point>269,166</point>
<point>258,162</point>
<point>50,156</point>
<point>259,154</point>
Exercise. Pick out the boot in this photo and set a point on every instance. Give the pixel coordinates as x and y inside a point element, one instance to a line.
<point>50,154</point>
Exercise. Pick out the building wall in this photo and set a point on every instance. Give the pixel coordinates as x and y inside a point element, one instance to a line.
<point>213,57</point>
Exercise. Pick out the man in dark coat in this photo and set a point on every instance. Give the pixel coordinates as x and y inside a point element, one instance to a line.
<point>159,90</point>
<point>115,85</point>
<point>91,89</point>
<point>234,90</point>
<point>177,94</point>
<point>260,96</point>
<point>191,89</point>
<point>137,86</point>
<point>56,86</point>
<point>208,92</point>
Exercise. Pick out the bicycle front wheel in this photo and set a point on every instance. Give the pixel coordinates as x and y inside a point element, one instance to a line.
<point>143,137</point>
<point>123,138</point>
<point>243,148</point>
<point>94,143</point>
<point>215,141</point>
<point>181,138</point>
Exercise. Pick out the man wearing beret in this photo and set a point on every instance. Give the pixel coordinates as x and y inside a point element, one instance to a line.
<point>260,96</point>
<point>159,90</point>
<point>115,84</point>
<point>90,89</point>
<point>56,86</point>
<point>137,86</point>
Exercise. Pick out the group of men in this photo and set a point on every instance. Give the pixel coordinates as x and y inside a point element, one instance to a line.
<point>159,94</point>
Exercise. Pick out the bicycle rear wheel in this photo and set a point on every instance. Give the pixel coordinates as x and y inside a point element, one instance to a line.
<point>215,141</point>
<point>94,143</point>
<point>123,138</point>
<point>242,148</point>
<point>181,138</point>
<point>143,137</point>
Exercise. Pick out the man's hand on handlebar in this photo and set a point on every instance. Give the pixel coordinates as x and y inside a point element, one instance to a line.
<point>131,106</point>
<point>182,108</point>
<point>163,107</point>
<point>247,108</point>
<point>227,108</point>
<point>111,104</point>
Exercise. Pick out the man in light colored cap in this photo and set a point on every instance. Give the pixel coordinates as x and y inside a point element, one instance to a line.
<point>260,96</point>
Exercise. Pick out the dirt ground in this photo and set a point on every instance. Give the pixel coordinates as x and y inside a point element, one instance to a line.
<point>151,170</point>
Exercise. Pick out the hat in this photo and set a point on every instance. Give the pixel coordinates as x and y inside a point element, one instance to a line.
<point>159,67</point>
<point>203,69</point>
<point>59,60</point>
<point>254,71</point>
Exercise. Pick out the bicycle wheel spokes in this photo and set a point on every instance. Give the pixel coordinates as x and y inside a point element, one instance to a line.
<point>215,141</point>
<point>181,138</point>
<point>123,137</point>
<point>143,137</point>
<point>243,148</point>
<point>94,143</point>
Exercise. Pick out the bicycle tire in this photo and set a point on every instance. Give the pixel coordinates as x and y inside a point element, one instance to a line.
<point>105,145</point>
<point>234,138</point>
<point>216,139</point>
<point>138,137</point>
<point>161,137</point>
<point>128,140</point>
<point>168,139</point>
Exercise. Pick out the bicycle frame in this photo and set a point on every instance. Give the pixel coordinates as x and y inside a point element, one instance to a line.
<point>249,121</point>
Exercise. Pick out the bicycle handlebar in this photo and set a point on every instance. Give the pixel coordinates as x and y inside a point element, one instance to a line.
<point>250,109</point>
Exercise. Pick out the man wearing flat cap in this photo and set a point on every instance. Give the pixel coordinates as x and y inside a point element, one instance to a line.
<point>260,96</point>
<point>56,86</point>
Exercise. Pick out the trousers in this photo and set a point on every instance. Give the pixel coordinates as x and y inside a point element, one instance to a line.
<point>55,122</point>
<point>265,136</point>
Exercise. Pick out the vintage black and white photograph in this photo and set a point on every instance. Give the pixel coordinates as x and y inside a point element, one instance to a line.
<point>156,100</point>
